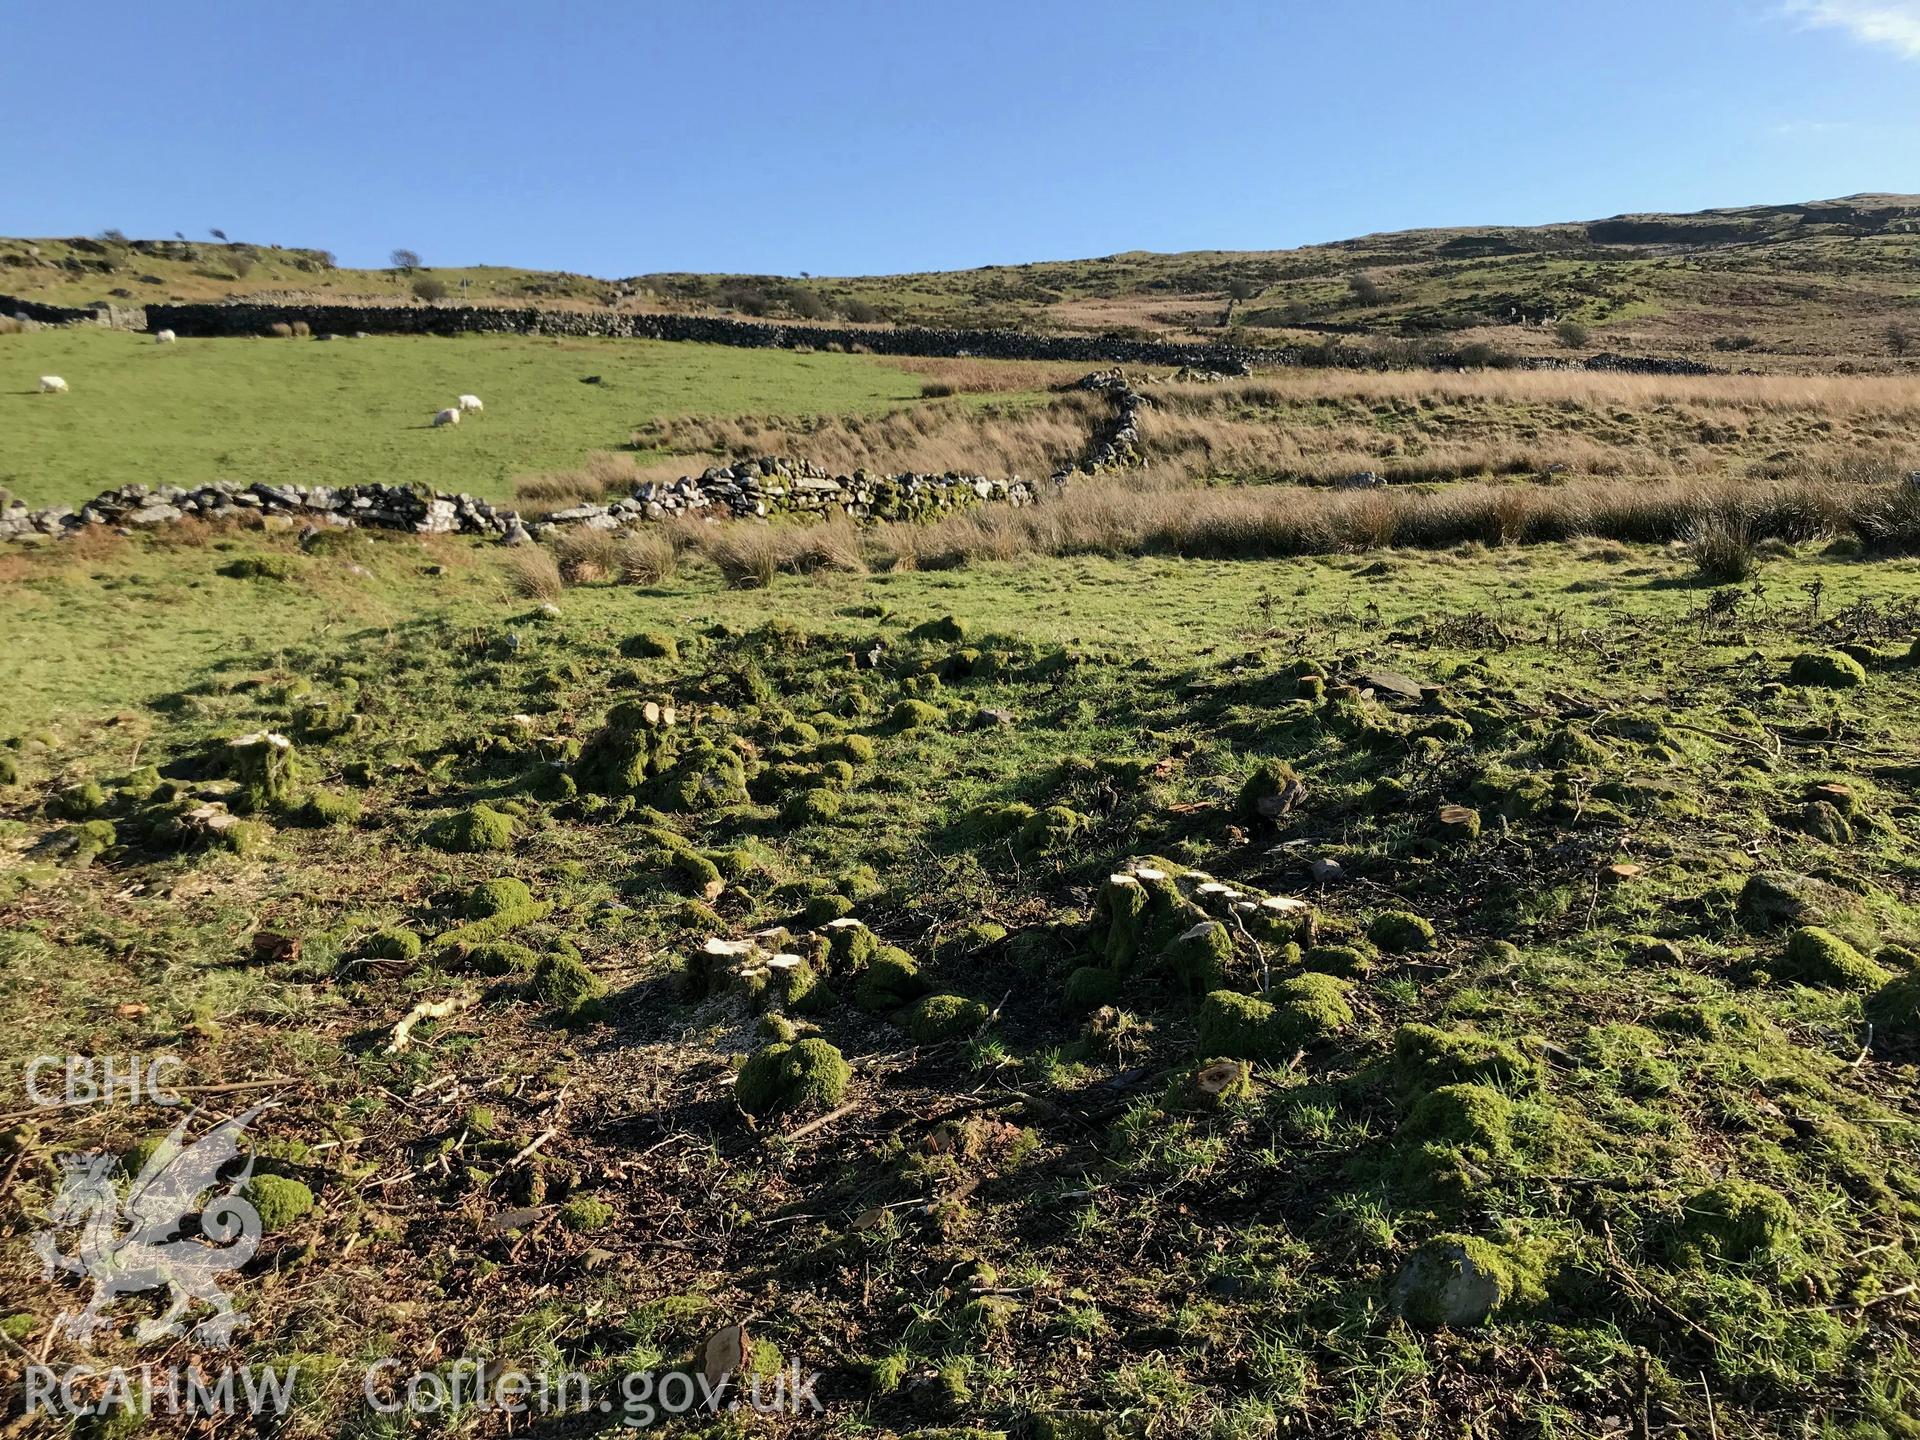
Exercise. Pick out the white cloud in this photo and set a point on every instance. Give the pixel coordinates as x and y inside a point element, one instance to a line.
<point>1890,24</point>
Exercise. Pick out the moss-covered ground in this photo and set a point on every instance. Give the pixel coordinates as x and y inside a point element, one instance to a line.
<point>1462,993</point>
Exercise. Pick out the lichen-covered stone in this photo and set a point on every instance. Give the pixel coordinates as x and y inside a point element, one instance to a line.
<point>1271,790</point>
<point>1460,1281</point>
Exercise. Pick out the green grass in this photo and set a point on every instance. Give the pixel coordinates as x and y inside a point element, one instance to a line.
<point>307,412</point>
<point>1579,1108</point>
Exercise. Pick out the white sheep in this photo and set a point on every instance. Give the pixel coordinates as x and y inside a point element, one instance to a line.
<point>164,337</point>
<point>447,417</point>
<point>52,385</point>
<point>471,402</point>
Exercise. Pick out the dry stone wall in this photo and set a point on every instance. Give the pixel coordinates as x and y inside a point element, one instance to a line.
<point>252,318</point>
<point>748,489</point>
<point>940,341</point>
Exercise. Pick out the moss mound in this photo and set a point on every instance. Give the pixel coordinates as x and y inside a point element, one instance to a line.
<point>1426,1057</point>
<point>392,944</point>
<point>913,715</point>
<point>945,1017</point>
<point>265,766</point>
<point>650,645</point>
<point>890,980</point>
<point>635,743</point>
<point>328,807</point>
<point>1827,670</point>
<point>801,1075</point>
<point>494,897</point>
<point>1306,1010</point>
<point>1819,957</point>
<point>1737,1220</point>
<point>279,1201</point>
<point>1401,932</point>
<point>563,981</point>
<point>812,807</point>
<point>1090,986</point>
<point>475,830</point>
<point>1894,1009</point>
<point>586,1213</point>
<point>1047,831</point>
<point>78,802</point>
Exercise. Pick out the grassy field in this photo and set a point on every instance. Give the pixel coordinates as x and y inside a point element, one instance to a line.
<point>306,412</point>
<point>1540,1019</point>
<point>1214,952</point>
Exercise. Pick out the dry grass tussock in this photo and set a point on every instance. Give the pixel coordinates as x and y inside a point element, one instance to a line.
<point>1721,521</point>
<point>1256,522</point>
<point>534,573</point>
<point>1893,397</point>
<point>1318,426</point>
<point>988,377</point>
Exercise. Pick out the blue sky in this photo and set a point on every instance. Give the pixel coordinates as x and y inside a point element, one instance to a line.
<point>841,137</point>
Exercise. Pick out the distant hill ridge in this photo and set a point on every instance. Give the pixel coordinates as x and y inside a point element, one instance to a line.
<point>1785,284</point>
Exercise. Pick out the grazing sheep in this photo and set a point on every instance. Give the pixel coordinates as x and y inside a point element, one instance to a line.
<point>447,417</point>
<point>164,337</point>
<point>471,402</point>
<point>52,385</point>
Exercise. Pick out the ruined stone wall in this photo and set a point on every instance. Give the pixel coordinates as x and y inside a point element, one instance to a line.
<point>118,317</point>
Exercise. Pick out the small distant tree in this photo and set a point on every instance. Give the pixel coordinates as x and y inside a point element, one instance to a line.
<point>861,312</point>
<point>1573,334</point>
<point>1365,289</point>
<point>219,235</point>
<point>1899,338</point>
<point>114,237</point>
<point>406,261</point>
<point>429,288</point>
